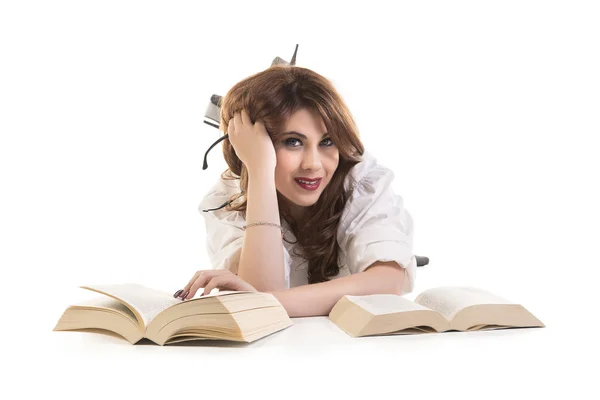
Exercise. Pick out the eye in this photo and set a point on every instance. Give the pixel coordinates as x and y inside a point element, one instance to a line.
<point>289,142</point>
<point>330,141</point>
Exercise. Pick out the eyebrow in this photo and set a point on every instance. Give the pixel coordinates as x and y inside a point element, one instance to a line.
<point>300,134</point>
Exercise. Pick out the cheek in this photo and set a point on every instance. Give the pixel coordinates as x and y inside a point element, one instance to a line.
<point>333,162</point>
<point>283,169</point>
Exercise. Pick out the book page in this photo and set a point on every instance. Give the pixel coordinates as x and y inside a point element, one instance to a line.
<point>147,302</point>
<point>107,302</point>
<point>451,299</point>
<point>378,304</point>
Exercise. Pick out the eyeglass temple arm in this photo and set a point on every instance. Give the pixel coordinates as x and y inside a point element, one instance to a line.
<point>205,165</point>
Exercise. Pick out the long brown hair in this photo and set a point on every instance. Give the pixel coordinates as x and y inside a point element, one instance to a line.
<point>273,96</point>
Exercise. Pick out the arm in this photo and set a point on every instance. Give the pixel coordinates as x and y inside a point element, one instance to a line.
<point>261,260</point>
<point>319,298</point>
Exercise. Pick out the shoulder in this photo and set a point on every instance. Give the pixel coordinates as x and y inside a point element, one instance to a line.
<point>369,175</point>
<point>371,198</point>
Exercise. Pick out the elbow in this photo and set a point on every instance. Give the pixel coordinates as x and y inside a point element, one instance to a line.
<point>261,282</point>
<point>399,280</point>
<point>396,284</point>
<point>387,278</point>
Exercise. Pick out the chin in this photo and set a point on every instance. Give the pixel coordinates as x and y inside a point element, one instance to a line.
<point>303,202</point>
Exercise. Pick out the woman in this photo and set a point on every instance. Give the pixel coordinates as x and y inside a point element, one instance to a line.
<point>310,215</point>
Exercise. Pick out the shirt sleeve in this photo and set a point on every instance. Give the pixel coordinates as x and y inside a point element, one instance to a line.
<point>375,226</point>
<point>225,233</point>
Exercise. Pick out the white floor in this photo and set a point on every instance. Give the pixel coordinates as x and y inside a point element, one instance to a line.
<point>312,356</point>
<point>488,113</point>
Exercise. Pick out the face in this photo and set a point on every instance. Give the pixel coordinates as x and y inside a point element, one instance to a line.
<point>306,155</point>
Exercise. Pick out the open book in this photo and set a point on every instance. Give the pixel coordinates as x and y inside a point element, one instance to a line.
<point>435,310</point>
<point>135,312</point>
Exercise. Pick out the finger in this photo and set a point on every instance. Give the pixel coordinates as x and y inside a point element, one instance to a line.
<point>221,282</point>
<point>191,282</point>
<point>231,126</point>
<point>245,118</point>
<point>260,124</point>
<point>238,120</point>
<point>200,283</point>
<point>202,280</point>
<point>210,272</point>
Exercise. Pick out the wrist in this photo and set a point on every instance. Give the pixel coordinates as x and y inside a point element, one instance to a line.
<point>261,172</point>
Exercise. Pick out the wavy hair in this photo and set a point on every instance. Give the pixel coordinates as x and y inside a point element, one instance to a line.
<point>273,96</point>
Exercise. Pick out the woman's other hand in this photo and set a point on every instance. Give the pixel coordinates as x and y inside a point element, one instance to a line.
<point>210,279</point>
<point>251,142</point>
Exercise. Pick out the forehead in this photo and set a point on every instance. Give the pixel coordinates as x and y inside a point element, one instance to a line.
<point>304,121</point>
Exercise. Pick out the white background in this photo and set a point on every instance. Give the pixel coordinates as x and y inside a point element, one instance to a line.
<point>486,111</point>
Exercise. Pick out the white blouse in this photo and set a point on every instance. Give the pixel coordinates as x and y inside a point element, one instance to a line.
<point>374,226</point>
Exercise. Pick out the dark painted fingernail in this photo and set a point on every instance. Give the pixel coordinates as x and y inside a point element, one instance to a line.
<point>184,294</point>
<point>177,293</point>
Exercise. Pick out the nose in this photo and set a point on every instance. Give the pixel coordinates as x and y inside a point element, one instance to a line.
<point>311,160</point>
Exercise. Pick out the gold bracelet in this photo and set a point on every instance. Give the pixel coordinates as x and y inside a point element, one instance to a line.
<point>264,223</point>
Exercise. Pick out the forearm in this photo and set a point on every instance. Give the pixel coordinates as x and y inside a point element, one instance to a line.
<point>319,298</point>
<point>261,261</point>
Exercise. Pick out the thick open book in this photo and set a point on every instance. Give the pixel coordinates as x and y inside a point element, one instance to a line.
<point>135,312</point>
<point>435,310</point>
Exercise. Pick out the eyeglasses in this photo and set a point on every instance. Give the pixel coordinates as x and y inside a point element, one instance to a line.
<point>218,208</point>
<point>205,164</point>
